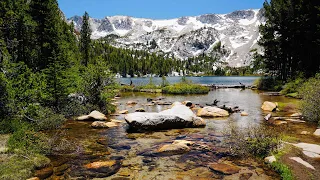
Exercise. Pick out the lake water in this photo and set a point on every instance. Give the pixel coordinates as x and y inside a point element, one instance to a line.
<point>217,80</point>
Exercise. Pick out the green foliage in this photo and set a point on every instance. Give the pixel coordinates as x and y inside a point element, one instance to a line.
<point>291,25</point>
<point>97,79</point>
<point>164,81</point>
<point>310,93</point>
<point>21,167</point>
<point>291,88</point>
<point>283,170</point>
<point>42,118</point>
<point>26,141</point>
<point>185,88</point>
<point>85,39</point>
<point>268,83</point>
<point>257,141</point>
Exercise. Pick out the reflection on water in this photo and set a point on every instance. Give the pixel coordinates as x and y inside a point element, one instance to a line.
<point>217,80</point>
<point>136,150</point>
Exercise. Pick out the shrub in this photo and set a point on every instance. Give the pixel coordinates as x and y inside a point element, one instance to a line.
<point>268,83</point>
<point>43,118</point>
<point>255,141</point>
<point>185,88</point>
<point>18,167</point>
<point>26,141</point>
<point>291,88</point>
<point>310,93</point>
<point>283,170</point>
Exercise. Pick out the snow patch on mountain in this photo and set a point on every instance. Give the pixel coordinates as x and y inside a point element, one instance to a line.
<point>185,36</point>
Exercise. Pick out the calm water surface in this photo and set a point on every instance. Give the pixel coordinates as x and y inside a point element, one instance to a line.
<point>217,80</point>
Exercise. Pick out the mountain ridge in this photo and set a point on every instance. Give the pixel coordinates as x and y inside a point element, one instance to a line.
<point>186,36</point>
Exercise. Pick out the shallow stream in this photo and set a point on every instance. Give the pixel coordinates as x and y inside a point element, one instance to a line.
<point>133,152</point>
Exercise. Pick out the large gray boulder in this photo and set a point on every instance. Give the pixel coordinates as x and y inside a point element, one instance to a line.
<point>179,116</point>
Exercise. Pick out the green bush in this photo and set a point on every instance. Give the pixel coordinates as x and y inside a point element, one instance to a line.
<point>43,118</point>
<point>21,167</point>
<point>185,88</point>
<point>268,84</point>
<point>291,88</point>
<point>26,141</point>
<point>310,93</point>
<point>283,170</point>
<point>257,141</point>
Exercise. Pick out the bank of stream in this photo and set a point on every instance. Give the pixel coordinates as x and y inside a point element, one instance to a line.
<point>134,155</point>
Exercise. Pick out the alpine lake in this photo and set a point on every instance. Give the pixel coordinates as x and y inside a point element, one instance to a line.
<point>131,155</point>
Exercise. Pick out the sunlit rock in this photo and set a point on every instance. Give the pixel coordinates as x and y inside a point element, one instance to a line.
<point>94,115</point>
<point>270,159</point>
<point>269,106</point>
<point>179,116</point>
<point>224,168</point>
<point>212,112</point>
<point>317,132</point>
<point>244,113</point>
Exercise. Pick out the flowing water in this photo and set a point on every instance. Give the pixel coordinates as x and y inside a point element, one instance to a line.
<point>134,152</point>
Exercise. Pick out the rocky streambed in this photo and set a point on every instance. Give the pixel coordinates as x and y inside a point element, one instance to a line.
<point>192,152</point>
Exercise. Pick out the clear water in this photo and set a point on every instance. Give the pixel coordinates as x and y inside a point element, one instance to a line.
<point>217,80</point>
<point>127,146</point>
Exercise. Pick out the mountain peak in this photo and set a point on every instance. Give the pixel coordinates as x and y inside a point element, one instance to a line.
<point>187,36</point>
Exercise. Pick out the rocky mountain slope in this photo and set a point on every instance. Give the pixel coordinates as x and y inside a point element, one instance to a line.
<point>186,36</point>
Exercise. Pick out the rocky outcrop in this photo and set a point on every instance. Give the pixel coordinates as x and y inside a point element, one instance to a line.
<point>269,106</point>
<point>94,115</point>
<point>212,112</point>
<point>179,116</point>
<point>310,150</point>
<point>299,160</point>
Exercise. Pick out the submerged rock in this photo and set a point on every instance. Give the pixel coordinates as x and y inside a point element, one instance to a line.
<point>44,173</point>
<point>305,133</point>
<point>173,149</point>
<point>94,115</point>
<point>140,110</point>
<point>224,168</point>
<point>124,112</point>
<point>102,124</point>
<point>131,103</point>
<point>179,116</point>
<point>212,112</point>
<point>244,113</point>
<point>102,168</point>
<point>269,106</point>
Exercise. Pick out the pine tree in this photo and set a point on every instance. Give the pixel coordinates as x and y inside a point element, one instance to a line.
<point>85,40</point>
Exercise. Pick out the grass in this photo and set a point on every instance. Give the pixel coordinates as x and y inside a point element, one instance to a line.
<point>283,170</point>
<point>21,167</point>
<point>254,141</point>
<point>182,88</point>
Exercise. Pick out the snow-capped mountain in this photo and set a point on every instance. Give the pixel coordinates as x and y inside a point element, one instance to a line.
<point>186,36</point>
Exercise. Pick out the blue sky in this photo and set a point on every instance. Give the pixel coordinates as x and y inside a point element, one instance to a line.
<point>156,9</point>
